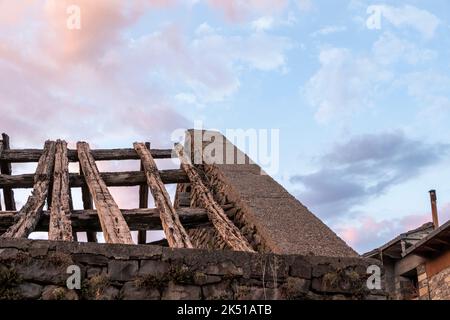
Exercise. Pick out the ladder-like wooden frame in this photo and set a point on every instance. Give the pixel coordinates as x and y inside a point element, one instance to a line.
<point>52,183</point>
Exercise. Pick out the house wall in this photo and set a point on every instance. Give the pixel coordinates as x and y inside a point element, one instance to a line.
<point>434,278</point>
<point>37,269</point>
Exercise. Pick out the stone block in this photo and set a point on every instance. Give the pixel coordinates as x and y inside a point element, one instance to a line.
<point>90,259</point>
<point>201,278</point>
<point>30,290</point>
<point>58,293</point>
<point>130,291</point>
<point>219,291</point>
<point>122,270</point>
<point>181,292</point>
<point>295,288</point>
<point>154,268</point>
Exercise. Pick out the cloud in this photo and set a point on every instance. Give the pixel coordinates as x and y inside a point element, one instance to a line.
<point>390,49</point>
<point>343,84</point>
<point>431,90</point>
<point>329,30</point>
<point>409,16</point>
<point>240,10</point>
<point>205,67</point>
<point>263,23</point>
<point>347,82</point>
<point>365,166</point>
<point>367,233</point>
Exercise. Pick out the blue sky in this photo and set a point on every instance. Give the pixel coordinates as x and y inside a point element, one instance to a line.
<point>363,113</point>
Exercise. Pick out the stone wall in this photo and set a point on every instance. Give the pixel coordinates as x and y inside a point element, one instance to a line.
<point>37,269</point>
<point>439,285</point>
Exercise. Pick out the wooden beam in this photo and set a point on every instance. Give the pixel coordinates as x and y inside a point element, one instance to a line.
<point>143,202</point>
<point>88,204</point>
<point>112,179</point>
<point>32,155</point>
<point>225,228</point>
<point>176,235</point>
<point>114,227</point>
<point>32,210</point>
<point>87,220</point>
<point>5,168</point>
<point>60,228</point>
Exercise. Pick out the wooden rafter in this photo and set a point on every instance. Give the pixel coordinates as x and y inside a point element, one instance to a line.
<point>114,227</point>
<point>5,168</point>
<point>225,228</point>
<point>112,179</point>
<point>87,220</point>
<point>175,233</point>
<point>33,155</point>
<point>31,212</point>
<point>60,228</point>
<point>143,202</point>
<point>87,205</point>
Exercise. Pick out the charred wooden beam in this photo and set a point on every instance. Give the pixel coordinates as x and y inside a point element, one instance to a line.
<point>176,235</point>
<point>111,179</point>
<point>60,228</point>
<point>5,168</point>
<point>114,227</point>
<point>31,212</point>
<point>32,155</point>
<point>87,220</point>
<point>225,228</point>
<point>143,202</point>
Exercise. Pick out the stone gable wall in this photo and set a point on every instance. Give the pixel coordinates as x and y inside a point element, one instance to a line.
<point>37,269</point>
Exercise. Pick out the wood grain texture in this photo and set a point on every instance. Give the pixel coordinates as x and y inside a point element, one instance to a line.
<point>111,179</point>
<point>33,155</point>
<point>5,168</point>
<point>87,220</point>
<point>114,227</point>
<point>226,229</point>
<point>176,235</point>
<point>32,210</point>
<point>60,228</point>
<point>143,202</point>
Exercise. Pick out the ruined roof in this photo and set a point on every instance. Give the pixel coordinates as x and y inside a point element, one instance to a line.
<point>256,214</point>
<point>394,245</point>
<point>436,241</point>
<point>287,226</point>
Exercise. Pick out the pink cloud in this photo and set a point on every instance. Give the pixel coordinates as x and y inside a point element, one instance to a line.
<point>98,84</point>
<point>11,15</point>
<point>238,10</point>
<point>366,233</point>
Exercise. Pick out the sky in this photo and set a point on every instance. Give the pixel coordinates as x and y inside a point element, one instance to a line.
<point>359,92</point>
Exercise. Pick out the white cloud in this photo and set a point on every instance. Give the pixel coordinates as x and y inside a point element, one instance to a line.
<point>390,49</point>
<point>409,16</point>
<point>345,83</point>
<point>208,64</point>
<point>203,29</point>
<point>329,30</point>
<point>186,98</point>
<point>263,23</point>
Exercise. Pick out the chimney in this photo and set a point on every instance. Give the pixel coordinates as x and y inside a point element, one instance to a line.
<point>434,212</point>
